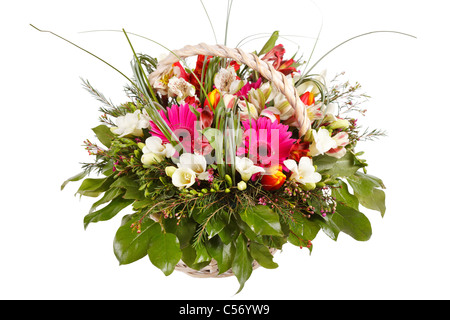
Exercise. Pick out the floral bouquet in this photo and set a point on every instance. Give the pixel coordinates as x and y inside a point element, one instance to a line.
<point>224,161</point>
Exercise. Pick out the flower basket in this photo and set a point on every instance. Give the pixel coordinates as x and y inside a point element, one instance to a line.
<point>226,161</point>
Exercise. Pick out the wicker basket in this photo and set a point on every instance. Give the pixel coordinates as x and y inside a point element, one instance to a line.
<point>266,70</point>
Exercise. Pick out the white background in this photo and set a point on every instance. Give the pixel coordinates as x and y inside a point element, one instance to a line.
<point>45,253</point>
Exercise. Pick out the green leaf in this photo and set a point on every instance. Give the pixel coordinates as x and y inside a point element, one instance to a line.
<point>202,254</point>
<point>125,182</point>
<point>184,229</point>
<point>343,167</point>
<point>108,212</point>
<point>104,135</point>
<point>262,255</point>
<point>91,187</point>
<point>270,43</point>
<point>164,252</point>
<point>131,245</point>
<point>107,197</point>
<point>343,195</point>
<point>303,227</point>
<point>242,264</point>
<point>262,220</point>
<point>76,177</point>
<point>222,253</point>
<point>365,187</point>
<point>352,222</point>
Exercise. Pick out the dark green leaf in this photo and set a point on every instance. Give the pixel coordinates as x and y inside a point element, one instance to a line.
<point>262,255</point>
<point>108,212</point>
<point>131,245</point>
<point>164,252</point>
<point>222,253</point>
<point>184,229</point>
<point>262,220</point>
<point>242,264</point>
<point>104,134</point>
<point>352,222</point>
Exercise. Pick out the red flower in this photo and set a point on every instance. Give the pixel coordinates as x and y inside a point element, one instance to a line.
<point>197,74</point>
<point>299,150</point>
<point>274,181</point>
<point>276,55</point>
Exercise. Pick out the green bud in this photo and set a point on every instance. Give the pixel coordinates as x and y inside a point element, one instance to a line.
<point>309,186</point>
<point>331,182</point>
<point>136,153</point>
<point>227,190</point>
<point>216,186</point>
<point>308,137</point>
<point>320,184</point>
<point>141,145</point>
<point>212,190</point>
<point>170,170</point>
<point>228,180</point>
<point>339,124</point>
<point>192,191</point>
<point>205,191</point>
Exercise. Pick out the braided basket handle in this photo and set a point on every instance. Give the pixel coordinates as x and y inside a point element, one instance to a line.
<point>279,80</point>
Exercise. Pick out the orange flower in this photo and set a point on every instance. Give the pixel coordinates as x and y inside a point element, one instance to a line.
<point>307,98</point>
<point>214,97</point>
<point>275,180</point>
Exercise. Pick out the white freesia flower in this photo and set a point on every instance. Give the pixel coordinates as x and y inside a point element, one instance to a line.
<point>196,163</point>
<point>132,124</point>
<point>183,177</point>
<point>303,172</point>
<point>225,81</point>
<point>322,142</point>
<point>155,145</point>
<point>246,168</point>
<point>180,88</point>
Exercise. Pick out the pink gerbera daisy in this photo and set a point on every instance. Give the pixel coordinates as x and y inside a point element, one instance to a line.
<point>181,120</point>
<point>266,143</point>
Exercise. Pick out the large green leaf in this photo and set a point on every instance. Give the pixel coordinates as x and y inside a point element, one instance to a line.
<point>184,229</point>
<point>108,212</point>
<point>131,245</point>
<point>164,252</point>
<point>343,195</point>
<point>242,263</point>
<point>352,222</point>
<point>262,220</point>
<point>104,134</point>
<point>366,189</point>
<point>222,253</point>
<point>342,167</point>
<point>262,255</point>
<point>93,187</point>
